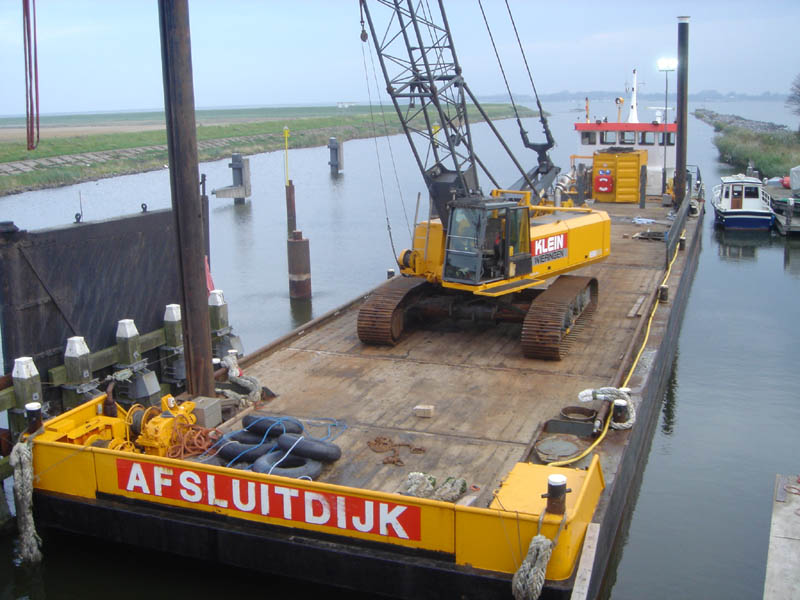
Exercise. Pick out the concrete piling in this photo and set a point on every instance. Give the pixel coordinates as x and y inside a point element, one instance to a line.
<point>241,188</point>
<point>336,161</point>
<point>299,266</point>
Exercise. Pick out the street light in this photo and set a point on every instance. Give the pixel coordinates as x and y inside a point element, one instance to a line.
<point>666,65</point>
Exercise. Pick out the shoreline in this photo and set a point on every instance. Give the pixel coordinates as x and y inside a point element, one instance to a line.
<point>127,149</point>
<point>769,148</point>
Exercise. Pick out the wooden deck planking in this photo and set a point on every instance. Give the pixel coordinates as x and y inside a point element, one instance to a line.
<point>489,400</point>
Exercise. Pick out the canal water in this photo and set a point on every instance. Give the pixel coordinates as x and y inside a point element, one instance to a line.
<point>729,422</point>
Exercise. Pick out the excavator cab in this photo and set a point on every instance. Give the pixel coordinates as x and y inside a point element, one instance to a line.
<point>487,241</point>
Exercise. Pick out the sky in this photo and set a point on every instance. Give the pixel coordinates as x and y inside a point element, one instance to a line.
<point>104,55</point>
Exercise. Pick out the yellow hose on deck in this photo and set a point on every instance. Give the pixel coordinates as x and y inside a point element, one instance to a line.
<point>601,437</point>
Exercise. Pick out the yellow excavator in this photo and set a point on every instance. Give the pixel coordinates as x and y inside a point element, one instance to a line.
<point>477,257</point>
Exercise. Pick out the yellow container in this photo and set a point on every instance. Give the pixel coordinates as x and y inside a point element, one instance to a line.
<point>616,176</point>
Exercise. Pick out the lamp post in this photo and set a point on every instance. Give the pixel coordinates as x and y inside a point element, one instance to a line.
<point>666,65</point>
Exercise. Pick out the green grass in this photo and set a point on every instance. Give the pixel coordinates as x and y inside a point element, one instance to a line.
<point>773,154</point>
<point>309,126</point>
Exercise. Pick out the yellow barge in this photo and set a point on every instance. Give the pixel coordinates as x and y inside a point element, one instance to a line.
<point>488,415</point>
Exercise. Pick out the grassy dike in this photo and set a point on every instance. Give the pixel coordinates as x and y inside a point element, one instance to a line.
<point>773,154</point>
<point>772,149</point>
<point>248,131</point>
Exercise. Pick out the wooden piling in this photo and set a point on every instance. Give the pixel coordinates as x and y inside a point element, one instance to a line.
<point>176,58</point>
<point>291,215</point>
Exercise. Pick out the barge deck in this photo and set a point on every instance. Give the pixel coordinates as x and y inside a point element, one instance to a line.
<point>490,406</point>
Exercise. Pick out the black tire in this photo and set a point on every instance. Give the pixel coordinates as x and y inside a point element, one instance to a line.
<point>247,437</point>
<point>231,450</point>
<point>310,448</point>
<point>291,466</point>
<point>260,425</point>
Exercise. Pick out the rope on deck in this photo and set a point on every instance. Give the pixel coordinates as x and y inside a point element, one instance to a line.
<point>21,460</point>
<point>247,382</point>
<point>528,581</point>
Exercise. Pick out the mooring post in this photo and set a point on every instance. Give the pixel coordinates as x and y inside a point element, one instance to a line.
<point>237,167</point>
<point>139,384</point>
<point>176,58</point>
<point>79,372</point>
<point>291,215</point>
<point>337,155</point>
<point>299,266</point>
<point>173,363</point>
<point>222,338</point>
<point>27,390</point>
<point>128,343</point>
<point>173,329</point>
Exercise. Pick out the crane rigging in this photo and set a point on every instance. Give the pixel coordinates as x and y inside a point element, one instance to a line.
<point>478,256</point>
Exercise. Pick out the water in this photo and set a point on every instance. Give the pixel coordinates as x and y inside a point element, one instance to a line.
<point>701,523</point>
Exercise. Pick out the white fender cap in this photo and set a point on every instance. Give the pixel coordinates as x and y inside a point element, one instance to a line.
<point>620,402</point>
<point>76,346</point>
<point>32,406</point>
<point>557,479</point>
<point>172,314</point>
<point>216,298</point>
<point>126,328</point>
<point>24,368</point>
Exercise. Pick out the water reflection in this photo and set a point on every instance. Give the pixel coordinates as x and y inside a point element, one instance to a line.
<point>669,404</point>
<point>740,245</point>
<point>301,311</point>
<point>791,256</point>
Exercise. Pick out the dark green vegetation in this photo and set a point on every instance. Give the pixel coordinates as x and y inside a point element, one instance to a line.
<point>772,149</point>
<point>247,130</point>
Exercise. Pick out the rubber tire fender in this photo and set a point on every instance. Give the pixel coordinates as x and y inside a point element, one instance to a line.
<point>249,437</point>
<point>259,425</point>
<point>244,452</point>
<point>310,448</point>
<point>294,466</point>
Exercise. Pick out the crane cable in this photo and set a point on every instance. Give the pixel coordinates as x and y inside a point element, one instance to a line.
<point>388,141</point>
<point>542,118</point>
<point>377,153</point>
<point>500,63</point>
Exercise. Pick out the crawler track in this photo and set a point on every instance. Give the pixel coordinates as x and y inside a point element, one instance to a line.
<point>555,313</point>
<point>382,316</point>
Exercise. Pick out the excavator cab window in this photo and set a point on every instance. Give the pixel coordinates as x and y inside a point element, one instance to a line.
<point>463,257</point>
<point>518,250</point>
<point>487,244</point>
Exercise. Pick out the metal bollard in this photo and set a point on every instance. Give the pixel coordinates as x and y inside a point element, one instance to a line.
<point>556,494</point>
